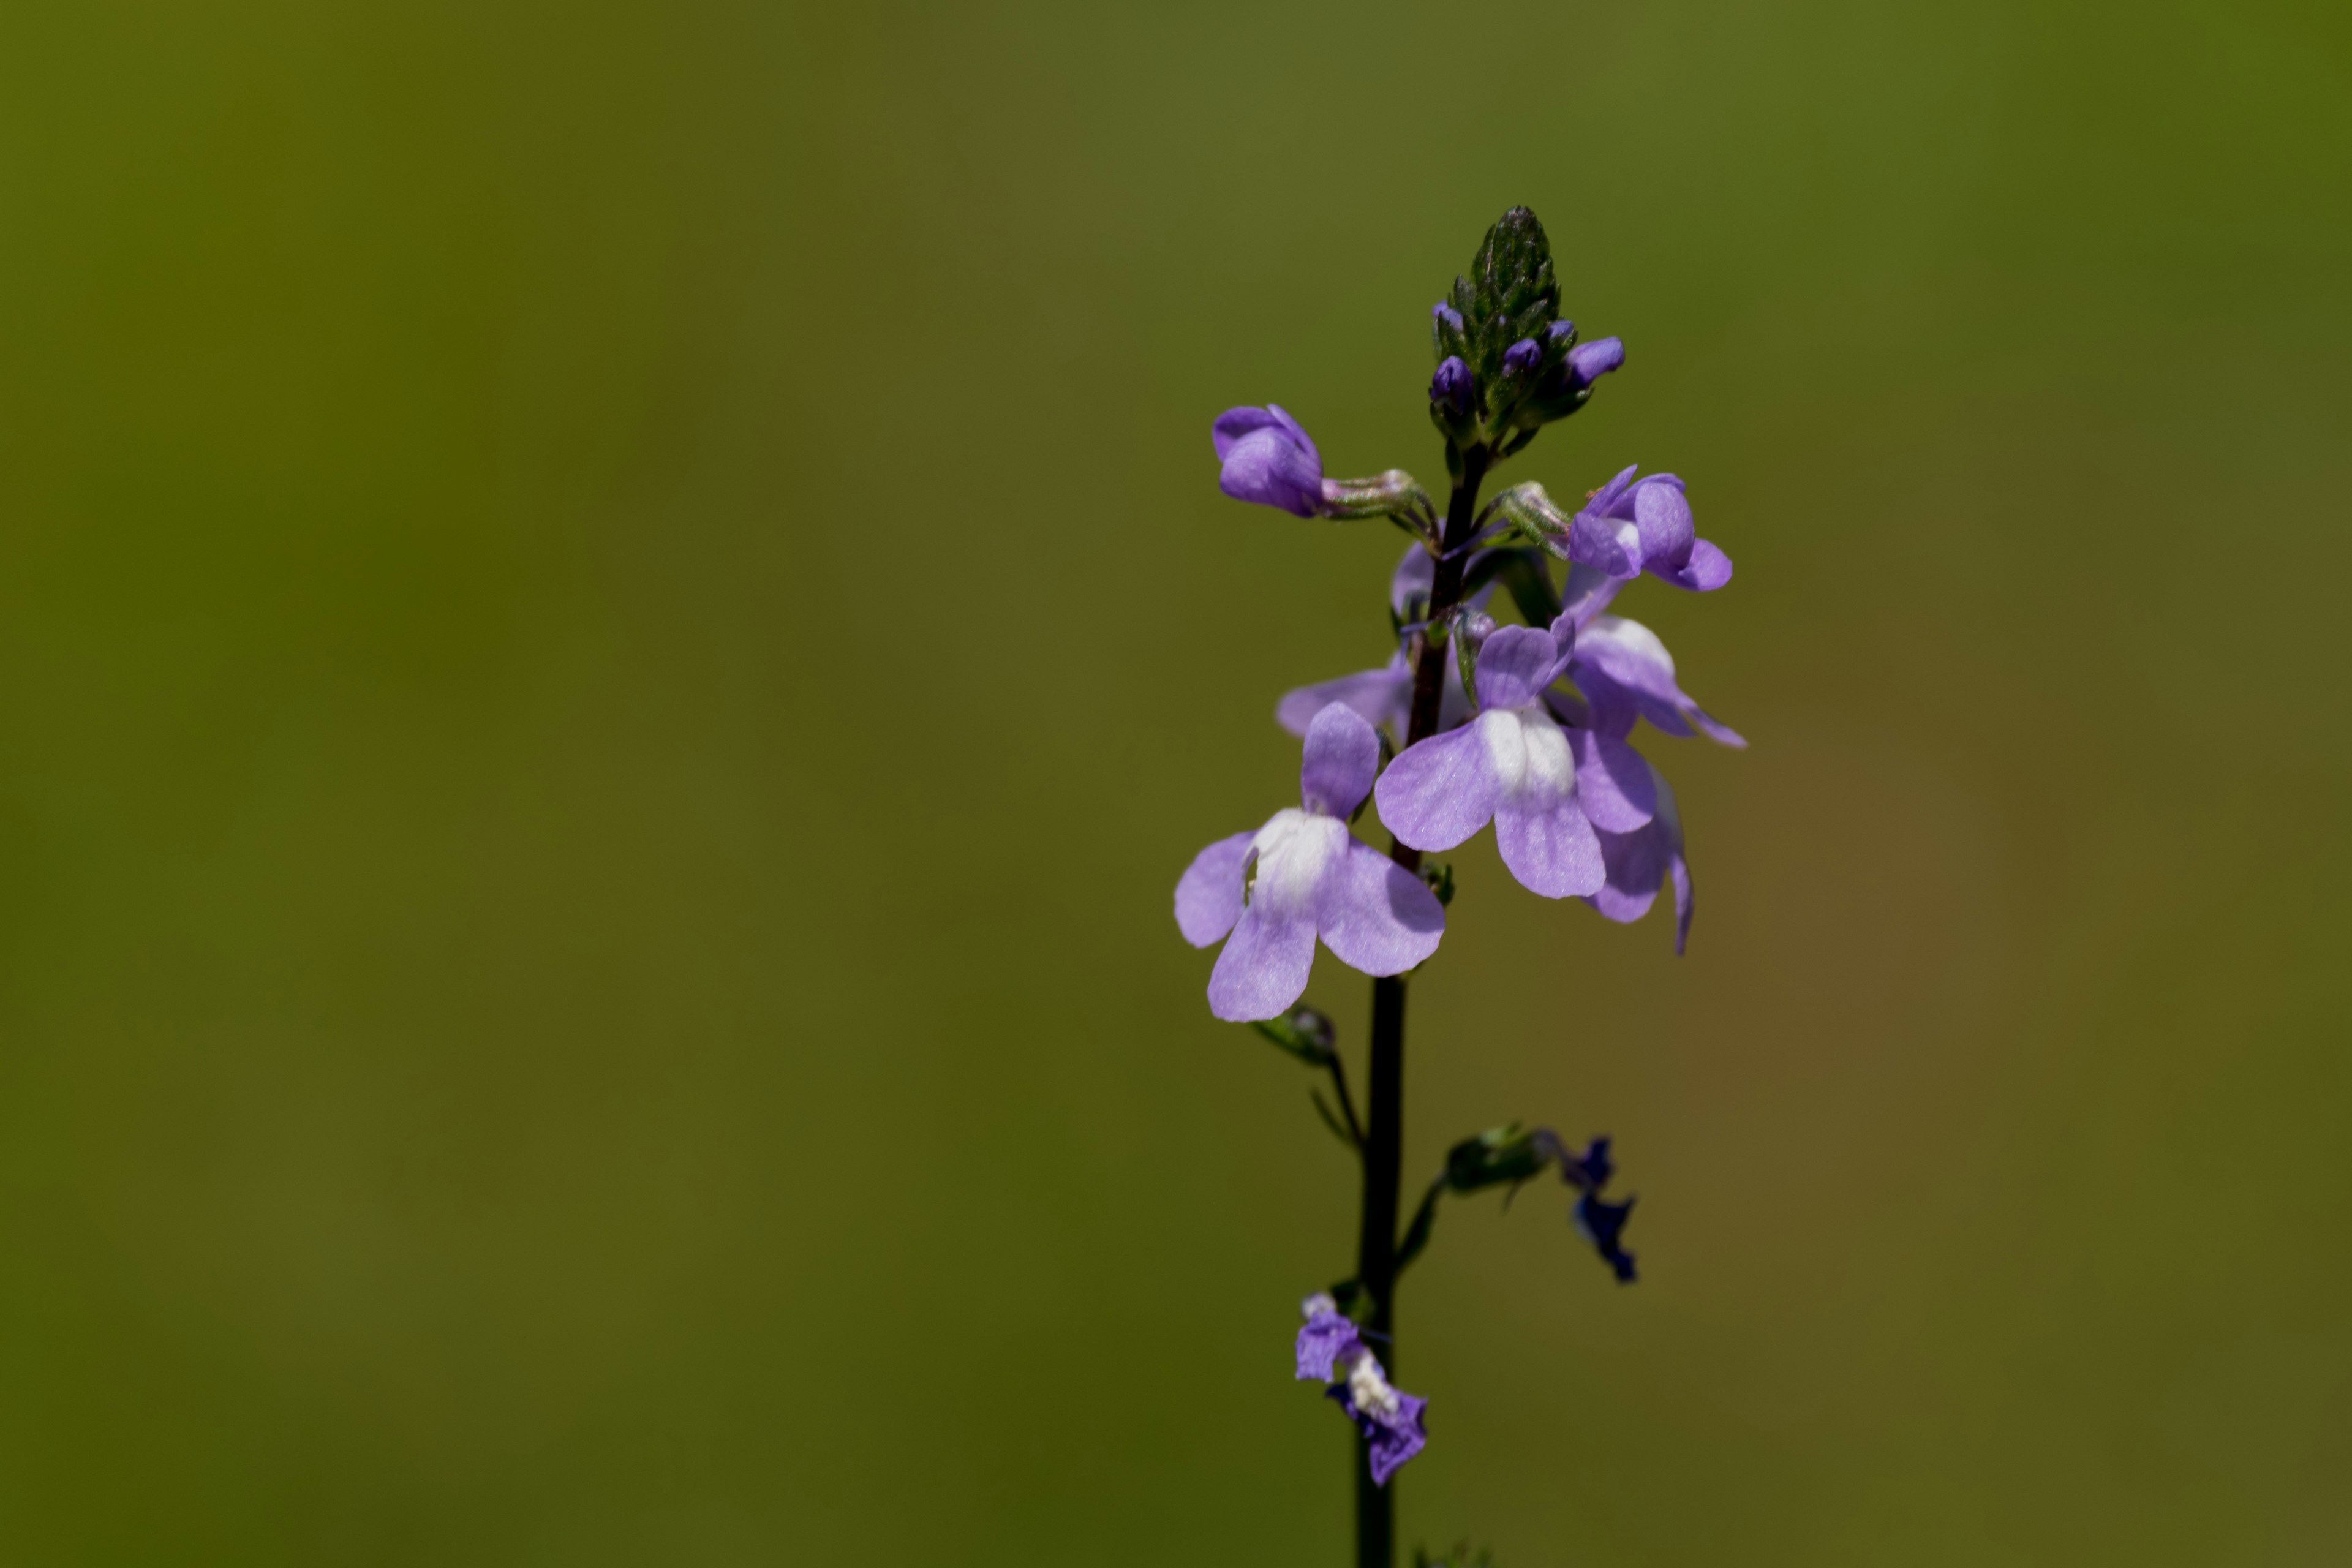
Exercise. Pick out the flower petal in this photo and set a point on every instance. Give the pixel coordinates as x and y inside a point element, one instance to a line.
<point>1664,516</point>
<point>1324,1338</point>
<point>1267,467</point>
<point>1236,422</point>
<point>1378,696</point>
<point>1375,915</point>
<point>1515,665</point>
<point>1342,757</point>
<point>1440,792</point>
<point>1613,782</point>
<point>1209,893</point>
<point>1635,864</point>
<point>1710,569</point>
<point>1586,593</point>
<point>1263,967</point>
<point>1552,852</point>
<point>1398,1439</point>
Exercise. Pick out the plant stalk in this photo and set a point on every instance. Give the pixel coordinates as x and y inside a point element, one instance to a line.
<point>1376,1244</point>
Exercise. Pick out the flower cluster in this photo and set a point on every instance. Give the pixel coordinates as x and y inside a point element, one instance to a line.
<point>1537,742</point>
<point>1332,1351</point>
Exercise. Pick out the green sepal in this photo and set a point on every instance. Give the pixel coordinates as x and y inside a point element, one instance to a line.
<point>1303,1033</point>
<point>1529,586</point>
<point>1440,879</point>
<point>1496,1157</point>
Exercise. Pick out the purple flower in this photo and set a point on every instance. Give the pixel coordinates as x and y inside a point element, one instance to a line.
<point>1302,876</point>
<point>1452,386</point>
<point>1332,1351</point>
<point>1560,330</point>
<point>1588,363</point>
<point>1630,526</point>
<point>1522,356</point>
<point>1268,459</point>
<point>1447,314</point>
<point>1545,788</point>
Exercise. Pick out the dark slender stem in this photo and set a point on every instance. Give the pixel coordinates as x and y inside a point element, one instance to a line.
<point>1376,1241</point>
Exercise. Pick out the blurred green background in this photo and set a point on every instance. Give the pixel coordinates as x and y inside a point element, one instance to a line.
<point>614,624</point>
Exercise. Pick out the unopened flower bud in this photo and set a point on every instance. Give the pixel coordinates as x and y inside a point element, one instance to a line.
<point>1452,386</point>
<point>1588,363</point>
<point>1522,357</point>
<point>1445,315</point>
<point>1558,331</point>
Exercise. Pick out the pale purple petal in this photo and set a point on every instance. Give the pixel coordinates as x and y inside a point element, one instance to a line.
<point>1515,665</point>
<point>1635,863</point>
<point>1630,655</point>
<point>1324,1338</point>
<point>1209,893</point>
<point>1440,792</point>
<point>1553,852</point>
<point>1609,545</point>
<point>1375,915</point>
<point>1587,593</point>
<point>1236,422</point>
<point>1710,569</point>
<point>1263,967</point>
<point>1613,783</point>
<point>1664,516</point>
<point>1378,696</point>
<point>1342,756</point>
<point>1398,1439</point>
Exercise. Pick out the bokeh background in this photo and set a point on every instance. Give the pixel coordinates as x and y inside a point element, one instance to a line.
<point>614,624</point>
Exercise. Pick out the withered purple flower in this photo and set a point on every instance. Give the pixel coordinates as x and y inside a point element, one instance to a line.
<point>1330,1350</point>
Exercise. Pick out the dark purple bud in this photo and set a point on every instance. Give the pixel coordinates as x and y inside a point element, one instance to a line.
<point>1588,363</point>
<point>1560,330</point>
<point>1603,1224</point>
<point>1522,357</point>
<point>1446,315</point>
<point>1452,386</point>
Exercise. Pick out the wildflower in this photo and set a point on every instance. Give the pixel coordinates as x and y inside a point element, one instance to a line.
<point>1630,526</point>
<point>1445,315</point>
<point>1330,1350</point>
<point>1302,876</point>
<point>1522,356</point>
<point>1268,458</point>
<point>1544,787</point>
